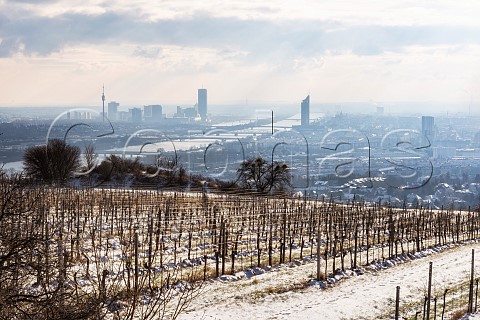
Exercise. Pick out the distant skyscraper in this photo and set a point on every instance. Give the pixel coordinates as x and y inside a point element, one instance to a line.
<point>81,115</point>
<point>428,124</point>
<point>202,103</point>
<point>305,111</point>
<point>152,112</point>
<point>113,110</point>
<point>186,112</point>
<point>136,115</point>
<point>103,103</point>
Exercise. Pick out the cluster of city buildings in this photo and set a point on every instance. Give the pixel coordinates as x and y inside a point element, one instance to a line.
<point>154,113</point>
<point>444,151</point>
<point>149,113</point>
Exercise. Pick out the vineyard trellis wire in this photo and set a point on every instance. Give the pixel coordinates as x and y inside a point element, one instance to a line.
<point>105,240</point>
<point>448,303</point>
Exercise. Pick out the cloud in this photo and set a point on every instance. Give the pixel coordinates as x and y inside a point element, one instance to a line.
<point>146,52</point>
<point>264,40</point>
<point>30,1</point>
<point>9,46</point>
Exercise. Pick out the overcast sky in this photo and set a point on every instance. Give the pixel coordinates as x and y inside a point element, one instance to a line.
<point>62,52</point>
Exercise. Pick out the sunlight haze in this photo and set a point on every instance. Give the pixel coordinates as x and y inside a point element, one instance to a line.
<point>62,52</point>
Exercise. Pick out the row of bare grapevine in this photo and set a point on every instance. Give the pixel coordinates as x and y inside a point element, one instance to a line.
<point>118,245</point>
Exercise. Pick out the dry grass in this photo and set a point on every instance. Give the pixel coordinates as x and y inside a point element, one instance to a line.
<point>178,227</point>
<point>458,314</point>
<point>199,274</point>
<point>279,289</point>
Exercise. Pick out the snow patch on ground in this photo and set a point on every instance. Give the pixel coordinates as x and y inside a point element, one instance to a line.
<point>364,293</point>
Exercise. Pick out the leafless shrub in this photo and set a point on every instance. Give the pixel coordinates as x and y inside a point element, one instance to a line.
<point>54,162</point>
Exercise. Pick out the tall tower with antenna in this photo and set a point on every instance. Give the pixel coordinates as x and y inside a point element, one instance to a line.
<point>103,103</point>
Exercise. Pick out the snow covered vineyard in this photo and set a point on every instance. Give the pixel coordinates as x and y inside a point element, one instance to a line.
<point>145,254</point>
<point>289,293</point>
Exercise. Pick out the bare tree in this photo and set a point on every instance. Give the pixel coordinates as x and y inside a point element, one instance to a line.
<point>57,161</point>
<point>25,289</point>
<point>90,157</point>
<point>41,279</point>
<point>261,176</point>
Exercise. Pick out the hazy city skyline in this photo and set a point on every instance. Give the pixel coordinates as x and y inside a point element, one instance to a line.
<point>62,53</point>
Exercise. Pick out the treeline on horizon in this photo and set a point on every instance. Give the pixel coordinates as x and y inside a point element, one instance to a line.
<point>59,163</point>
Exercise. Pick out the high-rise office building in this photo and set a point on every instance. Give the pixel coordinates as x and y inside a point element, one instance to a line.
<point>305,111</point>
<point>113,110</point>
<point>428,127</point>
<point>136,115</point>
<point>186,112</point>
<point>152,112</point>
<point>202,103</point>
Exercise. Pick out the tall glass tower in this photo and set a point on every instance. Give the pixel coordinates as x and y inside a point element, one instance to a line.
<point>306,111</point>
<point>428,127</point>
<point>202,103</point>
